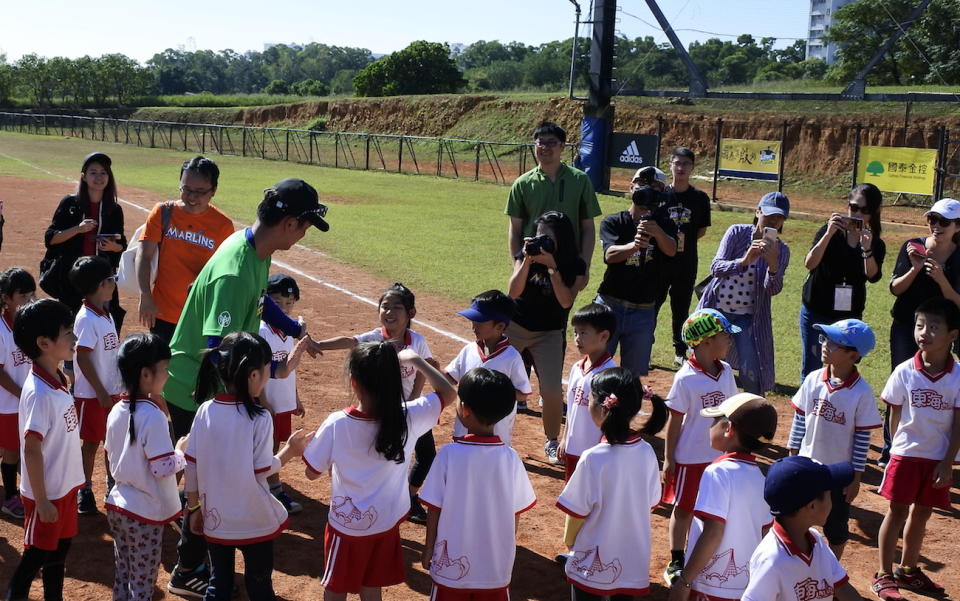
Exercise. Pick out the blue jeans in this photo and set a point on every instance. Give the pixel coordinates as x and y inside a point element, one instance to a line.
<point>635,333</point>
<point>810,341</point>
<point>747,352</point>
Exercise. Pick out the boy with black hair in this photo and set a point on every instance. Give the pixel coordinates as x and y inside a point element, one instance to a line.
<point>50,438</point>
<point>17,288</point>
<point>923,398</point>
<point>835,412</point>
<point>475,492</point>
<point>730,516</point>
<point>793,560</point>
<point>490,313</point>
<point>97,385</point>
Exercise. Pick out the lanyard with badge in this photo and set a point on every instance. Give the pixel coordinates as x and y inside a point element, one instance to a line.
<point>843,297</point>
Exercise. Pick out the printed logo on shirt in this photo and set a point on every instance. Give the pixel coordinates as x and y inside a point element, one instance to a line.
<point>111,341</point>
<point>70,418</point>
<point>631,154</point>
<point>589,566</point>
<point>443,566</point>
<point>345,513</point>
<point>679,214</point>
<point>720,572</point>
<point>825,409</point>
<point>926,398</point>
<point>19,358</point>
<point>280,355</point>
<point>810,589</point>
<point>579,398</point>
<point>406,371</point>
<point>196,238</point>
<point>712,399</point>
<point>224,319</point>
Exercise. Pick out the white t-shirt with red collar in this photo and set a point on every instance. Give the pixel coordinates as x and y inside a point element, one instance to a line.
<point>280,392</point>
<point>479,485</point>
<point>14,362</point>
<point>137,492</point>
<point>613,489</point>
<point>369,493</point>
<point>928,404</point>
<point>581,432</point>
<point>47,411</point>
<point>779,571</point>
<point>412,340</point>
<point>694,389</point>
<point>96,332</point>
<point>731,490</point>
<point>832,413</point>
<point>504,359</point>
<point>232,456</point>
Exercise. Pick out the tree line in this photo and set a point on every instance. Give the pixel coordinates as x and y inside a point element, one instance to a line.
<point>927,54</point>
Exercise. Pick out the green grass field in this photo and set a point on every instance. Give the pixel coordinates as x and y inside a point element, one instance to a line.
<point>439,236</point>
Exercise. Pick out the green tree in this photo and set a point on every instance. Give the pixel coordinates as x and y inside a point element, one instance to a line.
<point>420,68</point>
<point>33,74</point>
<point>310,87</point>
<point>6,80</point>
<point>277,86</point>
<point>342,82</point>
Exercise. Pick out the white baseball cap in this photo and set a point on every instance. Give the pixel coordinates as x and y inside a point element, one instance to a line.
<point>660,176</point>
<point>946,207</point>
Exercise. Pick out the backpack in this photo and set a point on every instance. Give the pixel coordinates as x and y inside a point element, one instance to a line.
<point>127,272</point>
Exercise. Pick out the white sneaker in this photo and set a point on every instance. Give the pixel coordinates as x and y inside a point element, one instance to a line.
<point>550,449</point>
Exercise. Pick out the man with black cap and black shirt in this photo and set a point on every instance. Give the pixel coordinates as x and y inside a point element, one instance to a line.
<point>229,296</point>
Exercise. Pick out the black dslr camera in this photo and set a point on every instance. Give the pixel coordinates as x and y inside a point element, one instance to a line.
<point>539,244</point>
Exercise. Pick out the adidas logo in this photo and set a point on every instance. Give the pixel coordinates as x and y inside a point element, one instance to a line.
<point>631,154</point>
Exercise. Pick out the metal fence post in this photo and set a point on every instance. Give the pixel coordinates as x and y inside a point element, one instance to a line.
<point>336,150</point>
<point>783,156</point>
<point>366,152</point>
<point>476,169</point>
<point>856,154</point>
<point>716,157</point>
<point>941,162</point>
<point>287,149</point>
<point>400,157</point>
<point>656,157</point>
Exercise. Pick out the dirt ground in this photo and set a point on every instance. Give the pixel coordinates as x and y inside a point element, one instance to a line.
<point>329,311</point>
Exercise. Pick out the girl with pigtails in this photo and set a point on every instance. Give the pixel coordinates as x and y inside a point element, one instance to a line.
<point>144,465</point>
<point>611,493</point>
<point>366,448</point>
<point>229,458</point>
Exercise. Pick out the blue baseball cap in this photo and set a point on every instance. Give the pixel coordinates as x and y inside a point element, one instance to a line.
<point>792,482</point>
<point>775,203</point>
<point>481,312</point>
<point>850,332</point>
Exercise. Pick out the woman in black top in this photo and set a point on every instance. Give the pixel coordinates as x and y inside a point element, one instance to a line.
<point>547,275</point>
<point>847,253</point>
<point>87,223</point>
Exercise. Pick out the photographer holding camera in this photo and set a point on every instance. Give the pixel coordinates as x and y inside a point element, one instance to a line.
<point>637,246</point>
<point>847,253</point>
<point>547,275</point>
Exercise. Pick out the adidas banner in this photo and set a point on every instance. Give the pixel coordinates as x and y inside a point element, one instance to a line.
<point>632,151</point>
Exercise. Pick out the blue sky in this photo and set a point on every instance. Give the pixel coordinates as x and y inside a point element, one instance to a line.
<point>139,28</point>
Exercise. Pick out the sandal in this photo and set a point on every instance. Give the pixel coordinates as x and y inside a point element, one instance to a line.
<point>885,587</point>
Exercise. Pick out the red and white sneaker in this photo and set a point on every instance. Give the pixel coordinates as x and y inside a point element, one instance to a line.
<point>885,587</point>
<point>915,579</point>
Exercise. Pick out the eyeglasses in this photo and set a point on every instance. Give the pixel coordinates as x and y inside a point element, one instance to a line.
<point>855,208</point>
<point>824,341</point>
<point>681,163</point>
<point>549,143</point>
<point>188,191</point>
<point>939,220</point>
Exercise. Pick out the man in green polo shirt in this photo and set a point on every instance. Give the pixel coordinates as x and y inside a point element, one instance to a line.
<point>552,186</point>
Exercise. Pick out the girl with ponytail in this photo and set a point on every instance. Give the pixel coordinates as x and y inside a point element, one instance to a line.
<point>366,448</point>
<point>144,465</point>
<point>229,458</point>
<point>611,493</point>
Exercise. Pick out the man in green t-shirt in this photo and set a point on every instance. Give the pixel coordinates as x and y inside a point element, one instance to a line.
<point>552,186</point>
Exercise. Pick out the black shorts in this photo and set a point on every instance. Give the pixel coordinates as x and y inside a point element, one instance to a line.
<point>836,528</point>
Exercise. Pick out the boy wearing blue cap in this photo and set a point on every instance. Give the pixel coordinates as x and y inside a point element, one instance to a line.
<point>490,313</point>
<point>792,562</point>
<point>835,413</point>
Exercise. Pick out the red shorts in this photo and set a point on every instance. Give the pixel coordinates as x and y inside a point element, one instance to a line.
<point>282,426</point>
<point>569,464</point>
<point>681,489</point>
<point>445,593</point>
<point>93,420</point>
<point>909,480</point>
<point>47,535</point>
<point>351,562</point>
<point>9,431</point>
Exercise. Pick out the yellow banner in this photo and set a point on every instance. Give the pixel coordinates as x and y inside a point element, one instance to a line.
<point>905,170</point>
<point>751,159</point>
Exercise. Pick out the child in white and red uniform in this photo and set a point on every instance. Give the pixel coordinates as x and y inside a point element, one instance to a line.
<point>229,458</point>
<point>17,288</point>
<point>609,497</point>
<point>490,313</point>
<point>472,559</point>
<point>97,384</point>
<point>703,381</point>
<point>50,445</point>
<point>144,464</point>
<point>366,448</point>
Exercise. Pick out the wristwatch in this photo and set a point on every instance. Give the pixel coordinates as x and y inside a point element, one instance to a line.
<point>551,270</point>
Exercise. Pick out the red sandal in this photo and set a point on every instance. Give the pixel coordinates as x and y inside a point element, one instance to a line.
<point>885,587</point>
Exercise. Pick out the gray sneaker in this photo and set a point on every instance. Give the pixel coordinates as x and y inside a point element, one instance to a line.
<point>550,449</point>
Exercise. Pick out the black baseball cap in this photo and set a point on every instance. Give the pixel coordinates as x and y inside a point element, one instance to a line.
<point>297,198</point>
<point>283,284</point>
<point>96,157</point>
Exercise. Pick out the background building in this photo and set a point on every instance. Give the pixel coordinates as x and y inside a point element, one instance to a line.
<point>821,15</point>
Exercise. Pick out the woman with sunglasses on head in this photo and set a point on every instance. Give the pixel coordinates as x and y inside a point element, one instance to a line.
<point>847,253</point>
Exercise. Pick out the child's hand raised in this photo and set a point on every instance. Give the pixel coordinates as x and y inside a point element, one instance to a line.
<point>298,442</point>
<point>407,356</point>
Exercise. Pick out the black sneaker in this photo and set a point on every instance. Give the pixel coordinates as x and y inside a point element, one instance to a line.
<point>672,573</point>
<point>418,515</point>
<point>86,502</point>
<point>191,584</point>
